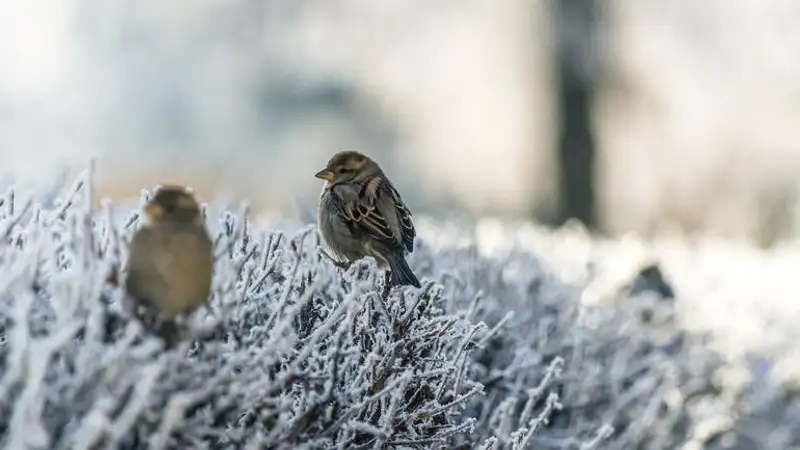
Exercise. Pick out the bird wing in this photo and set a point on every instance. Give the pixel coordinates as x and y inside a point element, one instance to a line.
<point>377,211</point>
<point>407,230</point>
<point>143,281</point>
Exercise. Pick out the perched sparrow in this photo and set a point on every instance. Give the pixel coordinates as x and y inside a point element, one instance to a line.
<point>361,214</point>
<point>170,262</point>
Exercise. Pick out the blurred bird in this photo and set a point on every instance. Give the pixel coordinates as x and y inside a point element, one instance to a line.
<point>650,278</point>
<point>170,262</point>
<point>361,214</point>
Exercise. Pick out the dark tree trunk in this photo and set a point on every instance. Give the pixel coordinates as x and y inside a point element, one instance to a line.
<point>577,67</point>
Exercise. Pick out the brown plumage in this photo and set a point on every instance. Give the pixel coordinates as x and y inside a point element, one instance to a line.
<point>170,262</point>
<point>361,214</point>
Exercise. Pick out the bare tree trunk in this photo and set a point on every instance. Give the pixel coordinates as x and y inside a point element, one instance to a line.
<point>577,66</point>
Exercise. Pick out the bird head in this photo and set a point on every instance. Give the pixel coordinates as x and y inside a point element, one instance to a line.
<point>348,167</point>
<point>173,204</point>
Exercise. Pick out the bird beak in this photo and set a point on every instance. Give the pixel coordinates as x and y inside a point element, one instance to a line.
<point>154,211</point>
<point>324,174</point>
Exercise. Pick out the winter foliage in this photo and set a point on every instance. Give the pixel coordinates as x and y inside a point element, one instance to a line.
<point>499,349</point>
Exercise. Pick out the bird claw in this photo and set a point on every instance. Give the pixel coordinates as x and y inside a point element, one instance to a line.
<point>340,264</point>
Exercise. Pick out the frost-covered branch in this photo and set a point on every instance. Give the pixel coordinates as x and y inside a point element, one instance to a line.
<point>295,352</point>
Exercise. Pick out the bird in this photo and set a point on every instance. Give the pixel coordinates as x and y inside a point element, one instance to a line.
<point>649,278</point>
<point>360,213</point>
<point>170,263</point>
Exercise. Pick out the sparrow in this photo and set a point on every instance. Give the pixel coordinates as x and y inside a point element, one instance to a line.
<point>360,213</point>
<point>170,262</point>
<point>650,278</point>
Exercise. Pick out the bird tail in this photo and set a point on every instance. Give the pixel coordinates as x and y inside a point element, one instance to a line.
<point>401,273</point>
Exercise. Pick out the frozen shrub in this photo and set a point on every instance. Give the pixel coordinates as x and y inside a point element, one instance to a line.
<point>293,353</point>
<point>493,352</point>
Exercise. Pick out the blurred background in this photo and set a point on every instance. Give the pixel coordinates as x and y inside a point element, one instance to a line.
<point>633,116</point>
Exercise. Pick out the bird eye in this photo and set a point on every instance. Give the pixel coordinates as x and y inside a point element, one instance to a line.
<point>345,170</point>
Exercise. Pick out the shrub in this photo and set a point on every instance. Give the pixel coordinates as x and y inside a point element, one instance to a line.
<point>292,353</point>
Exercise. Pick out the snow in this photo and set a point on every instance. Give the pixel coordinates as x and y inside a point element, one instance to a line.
<point>518,339</point>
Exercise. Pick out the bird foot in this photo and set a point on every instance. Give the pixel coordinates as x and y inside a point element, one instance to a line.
<point>340,264</point>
